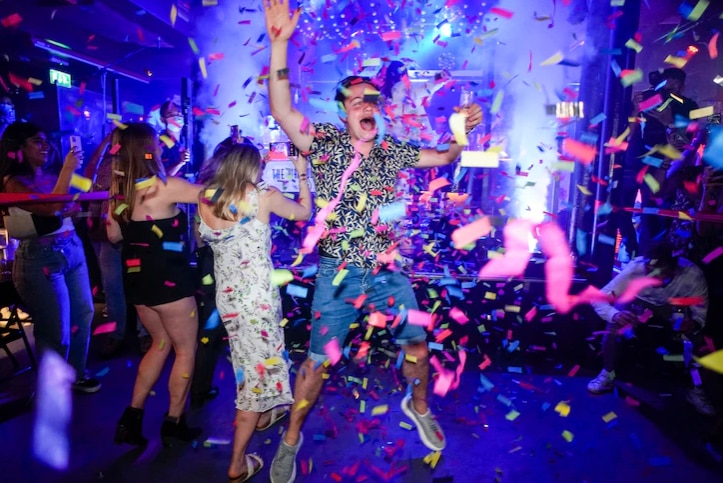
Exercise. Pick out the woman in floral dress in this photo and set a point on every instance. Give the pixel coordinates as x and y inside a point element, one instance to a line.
<point>234,220</point>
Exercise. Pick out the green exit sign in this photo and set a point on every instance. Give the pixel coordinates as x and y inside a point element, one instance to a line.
<point>62,79</point>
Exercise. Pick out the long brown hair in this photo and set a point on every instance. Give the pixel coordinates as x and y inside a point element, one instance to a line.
<point>234,170</point>
<point>137,159</point>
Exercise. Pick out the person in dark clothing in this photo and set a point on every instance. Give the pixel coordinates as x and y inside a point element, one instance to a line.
<point>173,155</point>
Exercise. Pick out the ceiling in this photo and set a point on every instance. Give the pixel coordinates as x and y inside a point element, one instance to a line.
<point>134,37</point>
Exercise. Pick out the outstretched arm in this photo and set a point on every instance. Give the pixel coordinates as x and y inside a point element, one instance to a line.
<point>280,26</point>
<point>431,158</point>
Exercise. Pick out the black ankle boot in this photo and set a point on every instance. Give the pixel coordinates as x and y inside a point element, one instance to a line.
<point>174,429</point>
<point>130,428</point>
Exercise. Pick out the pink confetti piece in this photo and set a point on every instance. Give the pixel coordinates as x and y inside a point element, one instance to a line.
<point>419,317</point>
<point>470,233</point>
<point>635,287</point>
<point>713,255</point>
<point>517,252</point>
<point>458,316</point>
<point>580,151</point>
<point>713,46</point>
<point>531,314</point>
<point>332,351</point>
<point>558,267</point>
<point>107,328</point>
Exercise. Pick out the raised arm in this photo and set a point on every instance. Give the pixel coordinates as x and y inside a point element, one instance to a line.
<point>178,190</point>
<point>280,26</point>
<point>431,158</point>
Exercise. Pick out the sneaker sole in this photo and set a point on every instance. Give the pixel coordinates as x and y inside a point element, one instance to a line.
<point>408,412</point>
<point>600,391</point>
<point>86,390</point>
<point>700,410</point>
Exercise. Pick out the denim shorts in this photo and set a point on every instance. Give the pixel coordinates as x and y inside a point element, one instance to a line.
<point>334,305</point>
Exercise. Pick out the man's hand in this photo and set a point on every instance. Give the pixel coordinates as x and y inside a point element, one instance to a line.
<point>185,156</point>
<point>279,25</point>
<point>473,115</point>
<point>624,318</point>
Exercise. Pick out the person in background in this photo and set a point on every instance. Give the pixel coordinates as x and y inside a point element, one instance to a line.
<point>50,271</point>
<point>173,155</point>
<point>677,278</point>
<point>236,226</point>
<point>99,170</point>
<point>359,243</point>
<point>143,213</point>
<point>7,113</point>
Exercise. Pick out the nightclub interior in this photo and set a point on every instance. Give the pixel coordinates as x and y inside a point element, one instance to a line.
<point>407,240</point>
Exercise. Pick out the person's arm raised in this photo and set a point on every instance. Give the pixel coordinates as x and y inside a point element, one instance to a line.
<point>280,26</point>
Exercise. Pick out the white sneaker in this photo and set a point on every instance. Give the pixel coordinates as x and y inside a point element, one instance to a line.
<point>696,396</point>
<point>604,382</point>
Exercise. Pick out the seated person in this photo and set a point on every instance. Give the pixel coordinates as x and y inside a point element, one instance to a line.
<point>679,278</point>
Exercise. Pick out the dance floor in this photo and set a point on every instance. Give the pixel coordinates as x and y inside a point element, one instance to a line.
<point>508,423</point>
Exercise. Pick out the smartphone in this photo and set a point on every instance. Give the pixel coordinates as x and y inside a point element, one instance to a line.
<point>75,142</point>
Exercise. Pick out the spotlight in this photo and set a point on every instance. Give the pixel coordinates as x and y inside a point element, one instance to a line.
<point>445,30</point>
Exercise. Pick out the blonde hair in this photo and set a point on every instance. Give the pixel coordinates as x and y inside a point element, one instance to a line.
<point>232,171</point>
<point>137,158</point>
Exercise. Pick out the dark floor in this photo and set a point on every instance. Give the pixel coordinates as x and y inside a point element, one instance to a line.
<point>511,432</point>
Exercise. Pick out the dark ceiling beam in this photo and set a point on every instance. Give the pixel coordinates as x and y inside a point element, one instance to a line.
<point>152,16</point>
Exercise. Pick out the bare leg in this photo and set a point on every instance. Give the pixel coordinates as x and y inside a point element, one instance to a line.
<point>306,391</point>
<point>417,374</point>
<point>152,363</point>
<point>246,422</point>
<point>610,348</point>
<point>180,321</point>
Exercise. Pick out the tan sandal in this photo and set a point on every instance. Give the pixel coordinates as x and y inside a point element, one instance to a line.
<point>254,464</point>
<point>277,414</point>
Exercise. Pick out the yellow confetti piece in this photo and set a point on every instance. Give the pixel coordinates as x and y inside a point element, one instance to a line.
<point>678,62</point>
<point>120,125</point>
<point>698,10</point>
<point>682,215</point>
<point>701,112</point>
<point>272,361</point>
<point>568,436</point>
<point>652,183</point>
<point>81,183</point>
<point>369,332</point>
<point>632,78</point>
<point>457,125</point>
<point>410,358</point>
<point>157,231</point>
<point>161,344</point>
<point>325,376</point>
<point>281,277</point>
<point>497,102</point>
<point>169,144</point>
<point>623,136</point>
<point>299,259</point>
<point>406,426</point>
<point>512,415</point>
<point>202,66</point>
<point>256,390</point>
<point>207,279</point>
<point>186,376</point>
<point>563,409</point>
<point>362,406</point>
<point>339,277</point>
<point>283,322</point>
<point>713,361</point>
<point>302,404</point>
<point>670,152</point>
<point>490,296</point>
<point>210,3</point>
<point>480,159</point>
<point>204,340</point>
<point>174,14</point>
<point>146,183</point>
<point>584,190</point>
<point>365,381</point>
<point>609,417</point>
<point>554,60</point>
<point>512,308</point>
<point>632,44</point>
<point>379,410</point>
<point>361,203</point>
<point>193,45</point>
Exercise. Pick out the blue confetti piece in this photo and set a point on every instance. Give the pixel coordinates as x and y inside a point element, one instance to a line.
<point>232,208</point>
<point>517,370</point>
<point>213,320</point>
<point>173,246</point>
<point>547,307</point>
<point>435,346</point>
<point>296,291</point>
<point>513,346</point>
<point>636,441</point>
<point>447,281</point>
<point>443,147</point>
<point>455,292</point>
<point>392,211</point>
<point>486,383</point>
<point>598,119</point>
<point>319,437</point>
<point>310,271</point>
<point>239,376</point>
<point>381,127</point>
<point>103,372</point>
<point>606,240</point>
<point>713,153</point>
<point>662,351</point>
<point>504,400</point>
<point>545,406</point>
<point>652,161</point>
<point>648,210</point>
<point>400,359</point>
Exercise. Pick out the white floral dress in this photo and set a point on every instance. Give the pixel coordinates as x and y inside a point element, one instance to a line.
<point>250,308</point>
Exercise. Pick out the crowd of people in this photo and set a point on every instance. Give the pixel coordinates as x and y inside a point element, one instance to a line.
<point>143,244</point>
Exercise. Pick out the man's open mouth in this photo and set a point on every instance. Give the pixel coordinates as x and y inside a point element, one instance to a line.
<point>368,124</point>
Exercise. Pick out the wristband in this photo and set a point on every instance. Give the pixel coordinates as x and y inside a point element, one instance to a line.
<point>303,176</point>
<point>282,74</point>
